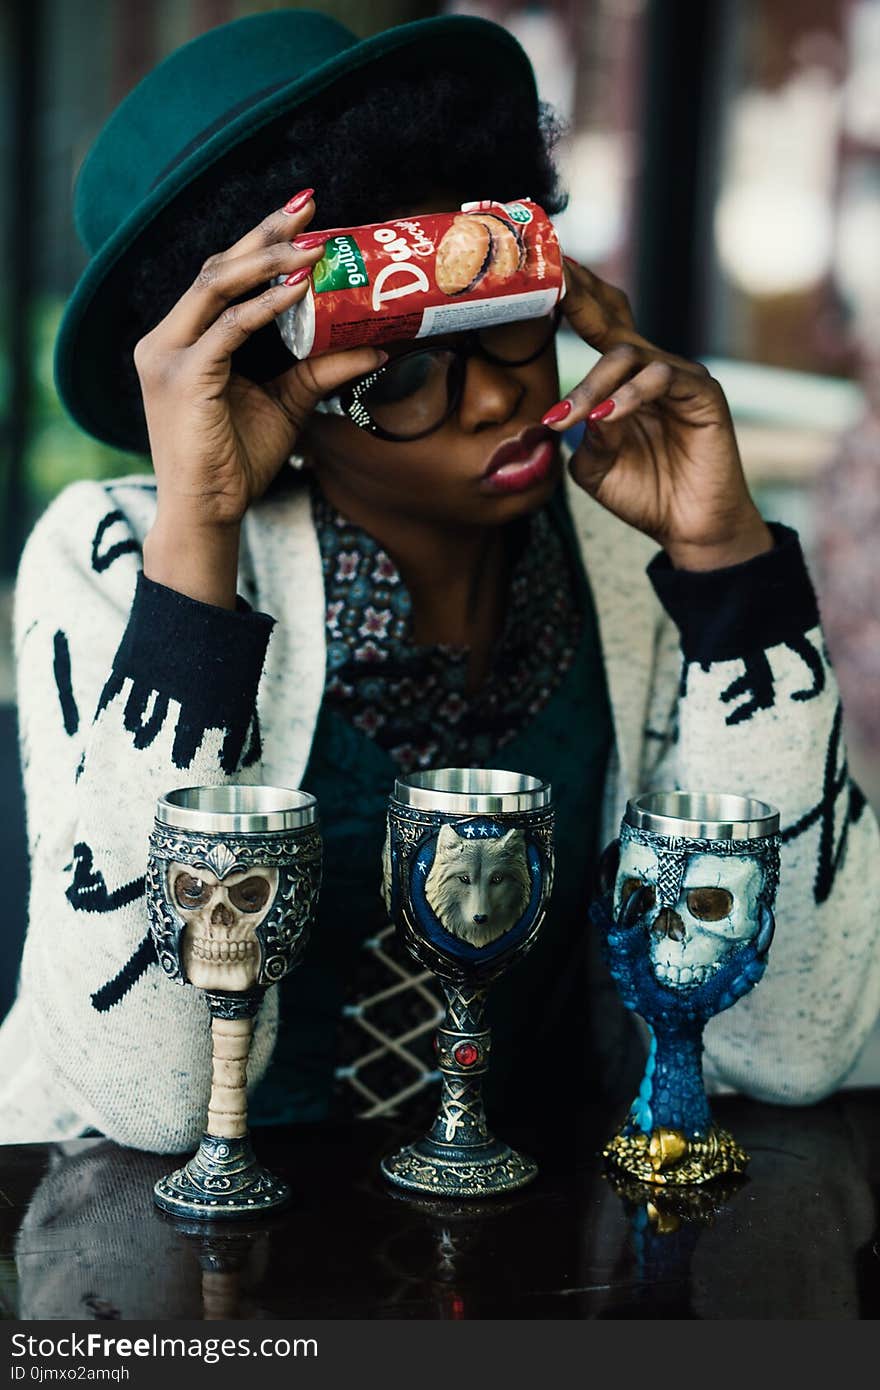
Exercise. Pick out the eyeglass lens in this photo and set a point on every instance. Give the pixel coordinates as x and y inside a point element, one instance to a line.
<point>412,394</point>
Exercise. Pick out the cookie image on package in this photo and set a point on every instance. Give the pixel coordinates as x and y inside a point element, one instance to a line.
<point>463,255</point>
<point>508,252</point>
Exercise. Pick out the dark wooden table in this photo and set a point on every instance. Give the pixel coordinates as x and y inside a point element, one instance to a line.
<point>79,1237</point>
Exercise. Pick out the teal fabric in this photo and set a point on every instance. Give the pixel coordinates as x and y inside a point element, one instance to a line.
<point>537,1010</point>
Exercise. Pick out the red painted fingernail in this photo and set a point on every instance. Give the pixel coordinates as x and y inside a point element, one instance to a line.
<point>556,413</point>
<point>571,261</point>
<point>299,275</point>
<point>298,200</point>
<point>602,410</point>
<point>309,241</point>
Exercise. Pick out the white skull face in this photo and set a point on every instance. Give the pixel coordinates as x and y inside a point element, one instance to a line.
<point>716,912</point>
<point>219,947</point>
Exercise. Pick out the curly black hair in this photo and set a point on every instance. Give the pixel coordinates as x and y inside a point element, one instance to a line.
<point>369,150</point>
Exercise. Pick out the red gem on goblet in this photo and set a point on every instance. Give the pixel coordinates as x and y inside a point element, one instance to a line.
<point>466,1054</point>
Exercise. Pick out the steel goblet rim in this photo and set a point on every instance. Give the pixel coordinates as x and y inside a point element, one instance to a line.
<point>472,791</point>
<point>703,815</point>
<point>237,808</point>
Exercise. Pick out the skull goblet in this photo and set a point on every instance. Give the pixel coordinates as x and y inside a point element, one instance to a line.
<point>687,919</point>
<point>468,872</point>
<point>232,885</point>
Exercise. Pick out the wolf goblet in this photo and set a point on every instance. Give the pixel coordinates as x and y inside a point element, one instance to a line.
<point>468,872</point>
<point>232,885</point>
<point>687,921</point>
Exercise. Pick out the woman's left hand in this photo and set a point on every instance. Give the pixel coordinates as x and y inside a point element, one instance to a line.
<point>660,451</point>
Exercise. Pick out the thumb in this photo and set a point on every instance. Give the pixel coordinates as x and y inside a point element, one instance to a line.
<point>300,387</point>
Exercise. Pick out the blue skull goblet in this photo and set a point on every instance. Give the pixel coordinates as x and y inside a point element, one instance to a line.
<point>687,920</point>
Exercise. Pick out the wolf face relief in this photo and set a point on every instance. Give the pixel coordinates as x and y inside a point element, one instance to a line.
<point>478,888</point>
<point>219,948</point>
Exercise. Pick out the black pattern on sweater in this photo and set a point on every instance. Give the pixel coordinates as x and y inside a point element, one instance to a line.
<point>89,892</point>
<point>836,781</point>
<point>812,659</point>
<point>102,560</point>
<point>115,989</point>
<point>63,682</point>
<point>756,682</point>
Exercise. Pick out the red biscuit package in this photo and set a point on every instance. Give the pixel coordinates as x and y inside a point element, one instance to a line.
<point>434,273</point>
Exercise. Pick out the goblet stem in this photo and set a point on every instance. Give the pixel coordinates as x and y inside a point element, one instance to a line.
<point>459,1156</point>
<point>462,1045</point>
<point>672,1094</point>
<point>669,1135</point>
<point>220,1293</point>
<point>230,1048</point>
<point>223,1178</point>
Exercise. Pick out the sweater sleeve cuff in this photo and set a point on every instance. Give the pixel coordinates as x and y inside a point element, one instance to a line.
<point>725,614</point>
<point>207,659</point>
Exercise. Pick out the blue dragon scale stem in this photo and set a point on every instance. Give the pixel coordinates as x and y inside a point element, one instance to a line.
<point>669,1135</point>
<point>671,1095</point>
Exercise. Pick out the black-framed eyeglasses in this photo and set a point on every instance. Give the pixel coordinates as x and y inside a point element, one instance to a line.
<point>415,392</point>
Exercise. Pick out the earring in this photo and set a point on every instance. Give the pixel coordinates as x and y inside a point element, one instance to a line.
<point>297,461</point>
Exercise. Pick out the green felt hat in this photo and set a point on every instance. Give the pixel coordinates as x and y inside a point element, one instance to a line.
<point>201,102</point>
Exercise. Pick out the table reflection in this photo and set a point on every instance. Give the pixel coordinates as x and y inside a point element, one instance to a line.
<point>789,1240</point>
<point>92,1246</point>
<point>796,1239</point>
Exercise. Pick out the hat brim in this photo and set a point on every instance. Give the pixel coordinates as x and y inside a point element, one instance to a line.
<point>86,343</point>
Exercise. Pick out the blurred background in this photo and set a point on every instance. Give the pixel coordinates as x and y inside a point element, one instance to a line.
<point>723,162</point>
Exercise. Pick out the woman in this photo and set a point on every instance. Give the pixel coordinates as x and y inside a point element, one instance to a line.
<point>450,597</point>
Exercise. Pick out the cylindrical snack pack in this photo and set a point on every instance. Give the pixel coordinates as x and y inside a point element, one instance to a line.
<point>439,272</point>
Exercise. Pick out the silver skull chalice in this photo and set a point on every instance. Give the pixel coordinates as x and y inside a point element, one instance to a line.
<point>232,886</point>
<point>467,877</point>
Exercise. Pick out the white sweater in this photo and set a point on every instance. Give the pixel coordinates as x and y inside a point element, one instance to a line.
<point>126,690</point>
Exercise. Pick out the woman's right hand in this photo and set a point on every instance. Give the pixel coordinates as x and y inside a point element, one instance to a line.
<point>217,439</point>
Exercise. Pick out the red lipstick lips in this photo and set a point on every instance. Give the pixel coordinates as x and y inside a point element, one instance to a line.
<point>521,462</point>
<point>518,449</point>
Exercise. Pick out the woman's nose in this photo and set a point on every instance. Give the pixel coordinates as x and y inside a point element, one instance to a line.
<point>489,397</point>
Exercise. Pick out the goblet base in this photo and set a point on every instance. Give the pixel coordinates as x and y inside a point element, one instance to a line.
<point>444,1170</point>
<point>221,1182</point>
<point>668,1157</point>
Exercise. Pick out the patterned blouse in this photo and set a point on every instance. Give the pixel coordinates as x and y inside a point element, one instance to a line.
<point>412,699</point>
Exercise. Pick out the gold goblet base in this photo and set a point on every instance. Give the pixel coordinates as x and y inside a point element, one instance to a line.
<point>666,1156</point>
